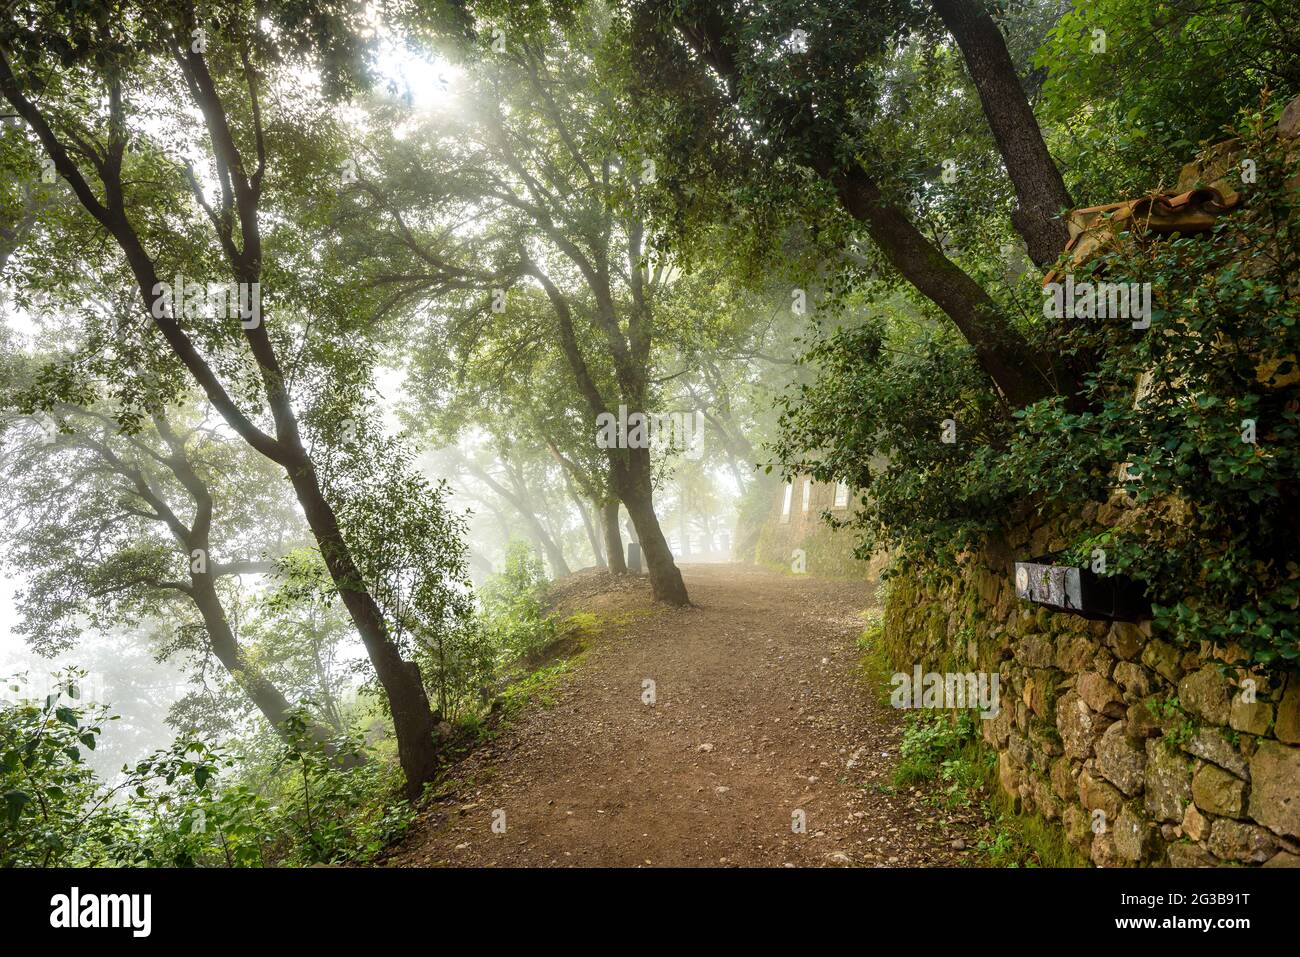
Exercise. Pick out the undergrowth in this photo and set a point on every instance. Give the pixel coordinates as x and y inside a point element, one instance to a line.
<point>943,756</point>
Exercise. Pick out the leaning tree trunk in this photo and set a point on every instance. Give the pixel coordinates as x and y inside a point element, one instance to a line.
<point>592,538</point>
<point>414,726</point>
<point>596,546</point>
<point>263,693</point>
<point>413,722</point>
<point>554,554</point>
<point>635,490</point>
<point>683,523</point>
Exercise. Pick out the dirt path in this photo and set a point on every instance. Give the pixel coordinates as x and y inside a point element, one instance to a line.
<point>759,713</point>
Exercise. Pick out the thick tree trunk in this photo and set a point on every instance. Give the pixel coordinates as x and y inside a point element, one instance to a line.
<point>665,578</point>
<point>1036,178</point>
<point>613,537</point>
<point>635,490</point>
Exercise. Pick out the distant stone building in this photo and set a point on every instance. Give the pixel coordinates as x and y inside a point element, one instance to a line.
<point>796,535</point>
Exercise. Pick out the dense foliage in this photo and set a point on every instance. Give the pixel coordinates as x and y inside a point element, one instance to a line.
<point>1201,409</point>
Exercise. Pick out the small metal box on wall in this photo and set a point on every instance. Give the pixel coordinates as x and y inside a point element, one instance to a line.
<point>1078,591</point>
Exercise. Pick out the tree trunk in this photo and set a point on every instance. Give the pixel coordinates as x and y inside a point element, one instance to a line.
<point>413,722</point>
<point>1036,178</point>
<point>683,526</point>
<point>613,537</point>
<point>635,490</point>
<point>1001,351</point>
<point>221,637</point>
<point>665,578</point>
<point>519,501</point>
<point>554,554</point>
<point>543,540</point>
<point>592,538</point>
<point>598,553</point>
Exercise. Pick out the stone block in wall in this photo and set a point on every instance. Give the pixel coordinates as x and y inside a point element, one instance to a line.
<point>1206,694</point>
<point>1168,782</point>
<point>1238,841</point>
<point>1287,727</point>
<point>1190,855</point>
<point>1035,651</point>
<point>996,730</point>
<point>1079,725</point>
<point>1078,827</point>
<point>1019,751</point>
<point>1103,662</point>
<point>1195,824</point>
<point>1027,694</point>
<point>1063,780</point>
<point>1046,802</point>
<point>1275,787</point>
<point>1095,794</point>
<point>1217,792</point>
<point>1283,859</point>
<point>1133,680</point>
<point>1210,745</point>
<point>1251,717</point>
<point>1141,720</point>
<point>1104,853</point>
<point>1045,742</point>
<point>1074,653</point>
<point>1038,691</point>
<point>1247,745</point>
<point>1026,794</point>
<point>1163,658</point>
<point>1132,835</point>
<point>1101,694</point>
<point>1125,639</point>
<point>1008,776</point>
<point>1120,761</point>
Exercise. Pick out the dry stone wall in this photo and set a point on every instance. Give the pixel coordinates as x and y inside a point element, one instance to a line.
<point>1147,754</point>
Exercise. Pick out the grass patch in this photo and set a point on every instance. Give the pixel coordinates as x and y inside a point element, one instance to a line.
<point>938,749</point>
<point>873,663</point>
<point>946,750</point>
<point>536,689</point>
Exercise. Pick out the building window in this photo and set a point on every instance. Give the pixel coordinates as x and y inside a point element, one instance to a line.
<point>841,494</point>
<point>785,509</point>
<point>807,493</point>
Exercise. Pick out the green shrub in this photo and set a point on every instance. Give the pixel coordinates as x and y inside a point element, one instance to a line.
<point>514,612</point>
<point>190,805</point>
